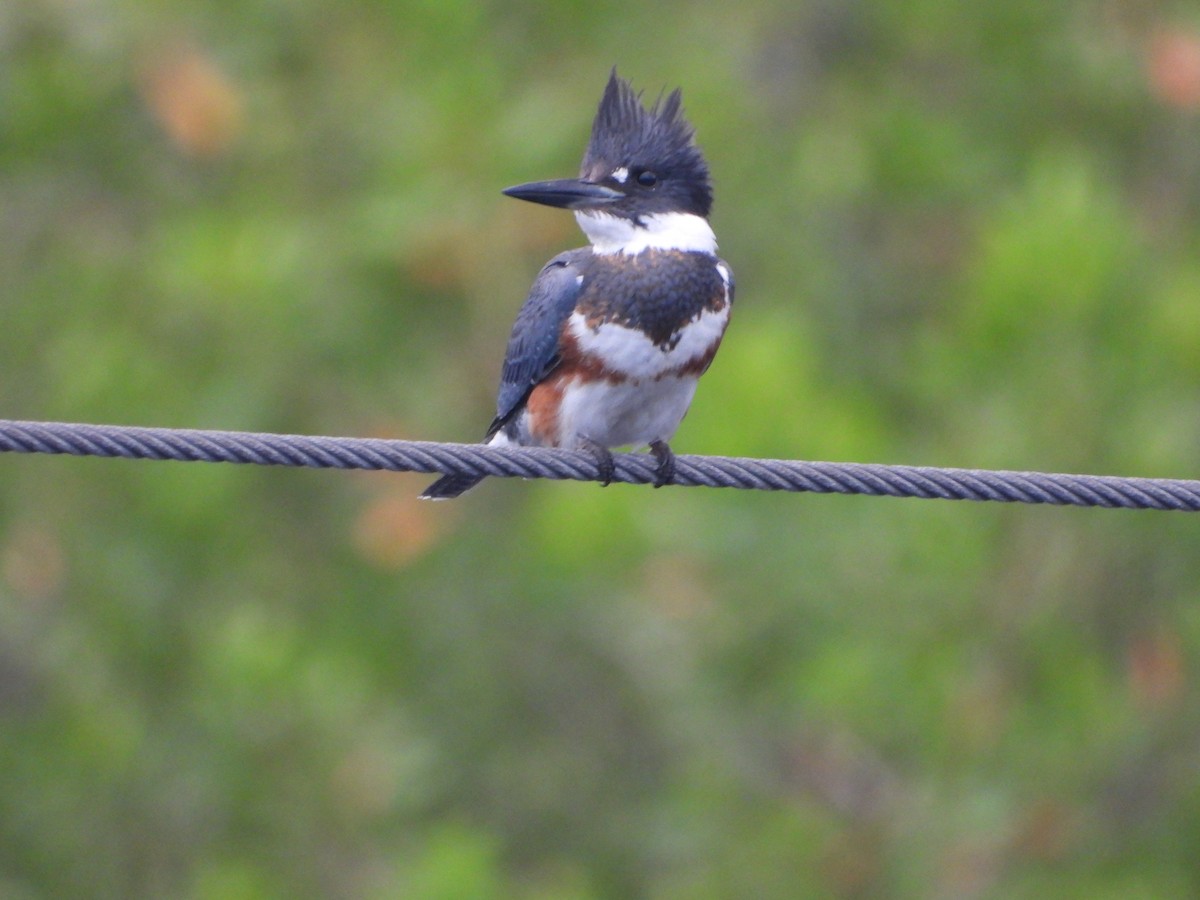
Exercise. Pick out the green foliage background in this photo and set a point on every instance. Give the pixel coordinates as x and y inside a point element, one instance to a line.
<point>964,234</point>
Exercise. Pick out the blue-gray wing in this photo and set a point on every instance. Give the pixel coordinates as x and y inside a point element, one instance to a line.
<point>533,346</point>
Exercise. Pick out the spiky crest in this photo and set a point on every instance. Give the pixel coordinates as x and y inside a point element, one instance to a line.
<point>627,135</point>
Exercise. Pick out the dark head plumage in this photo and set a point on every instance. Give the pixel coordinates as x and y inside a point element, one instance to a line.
<point>640,163</point>
<point>655,147</point>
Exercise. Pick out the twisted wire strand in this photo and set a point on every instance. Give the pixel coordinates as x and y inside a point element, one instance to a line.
<point>632,468</point>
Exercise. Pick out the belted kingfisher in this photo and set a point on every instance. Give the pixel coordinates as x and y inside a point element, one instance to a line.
<point>609,346</point>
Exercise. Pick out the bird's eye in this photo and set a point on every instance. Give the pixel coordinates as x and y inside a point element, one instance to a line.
<point>647,178</point>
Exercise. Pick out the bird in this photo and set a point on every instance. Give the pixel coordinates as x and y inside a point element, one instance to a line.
<point>608,347</point>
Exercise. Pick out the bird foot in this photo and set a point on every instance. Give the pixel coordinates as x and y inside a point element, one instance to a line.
<point>604,459</point>
<point>664,472</point>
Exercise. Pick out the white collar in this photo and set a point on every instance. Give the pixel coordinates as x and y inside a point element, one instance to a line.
<point>660,231</point>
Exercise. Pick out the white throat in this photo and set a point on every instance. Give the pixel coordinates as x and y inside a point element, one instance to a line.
<point>661,231</point>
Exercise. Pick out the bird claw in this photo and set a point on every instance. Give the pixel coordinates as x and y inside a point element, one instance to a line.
<point>604,460</point>
<point>664,472</point>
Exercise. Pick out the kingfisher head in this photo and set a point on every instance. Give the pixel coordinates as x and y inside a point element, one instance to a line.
<point>643,183</point>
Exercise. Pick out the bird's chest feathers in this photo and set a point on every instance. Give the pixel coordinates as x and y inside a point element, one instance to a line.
<point>660,313</point>
<point>625,353</point>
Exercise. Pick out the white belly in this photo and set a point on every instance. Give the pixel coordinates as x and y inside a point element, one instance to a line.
<point>656,393</point>
<point>629,414</point>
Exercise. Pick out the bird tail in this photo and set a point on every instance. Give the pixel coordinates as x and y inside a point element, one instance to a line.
<point>450,486</point>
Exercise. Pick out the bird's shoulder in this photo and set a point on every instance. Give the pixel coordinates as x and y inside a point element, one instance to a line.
<point>726,272</point>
